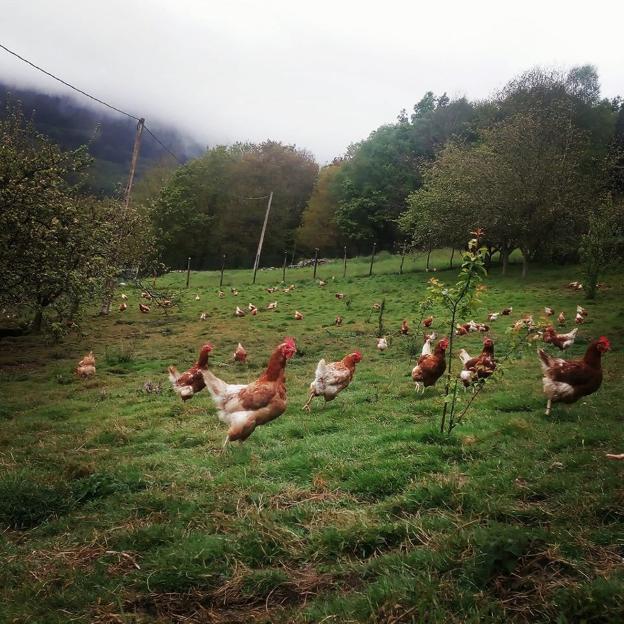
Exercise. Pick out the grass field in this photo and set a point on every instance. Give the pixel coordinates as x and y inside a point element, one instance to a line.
<point>118,506</point>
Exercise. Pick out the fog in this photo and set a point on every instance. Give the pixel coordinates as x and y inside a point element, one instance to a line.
<point>320,74</point>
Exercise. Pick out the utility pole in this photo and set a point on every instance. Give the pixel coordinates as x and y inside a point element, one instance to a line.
<point>316,250</point>
<point>370,271</point>
<point>344,272</point>
<point>188,271</point>
<point>110,283</point>
<point>264,225</point>
<point>222,269</point>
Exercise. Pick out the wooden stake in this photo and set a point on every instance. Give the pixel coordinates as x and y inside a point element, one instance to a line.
<point>260,243</point>
<point>344,272</point>
<point>188,271</point>
<point>316,250</point>
<point>222,269</point>
<point>370,271</point>
<point>284,267</point>
<point>403,251</point>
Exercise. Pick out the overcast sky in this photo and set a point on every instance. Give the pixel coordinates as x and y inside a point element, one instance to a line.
<point>320,74</point>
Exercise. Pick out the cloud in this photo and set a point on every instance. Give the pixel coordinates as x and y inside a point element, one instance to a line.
<point>320,75</point>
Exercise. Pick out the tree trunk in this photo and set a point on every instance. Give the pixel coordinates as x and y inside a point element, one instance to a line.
<point>37,321</point>
<point>428,256</point>
<point>525,263</point>
<point>452,256</point>
<point>505,260</point>
<point>107,299</point>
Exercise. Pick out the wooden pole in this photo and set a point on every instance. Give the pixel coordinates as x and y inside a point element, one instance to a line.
<point>370,271</point>
<point>133,161</point>
<point>284,266</point>
<point>403,251</point>
<point>222,269</point>
<point>261,241</point>
<point>344,272</point>
<point>188,271</point>
<point>292,258</point>
<point>316,250</point>
<point>110,284</point>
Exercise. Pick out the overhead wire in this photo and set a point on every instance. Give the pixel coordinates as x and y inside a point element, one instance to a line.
<point>92,97</point>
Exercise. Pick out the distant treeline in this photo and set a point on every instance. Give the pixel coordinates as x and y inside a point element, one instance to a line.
<point>527,166</point>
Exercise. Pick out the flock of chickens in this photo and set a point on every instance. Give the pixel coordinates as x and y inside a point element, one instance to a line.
<point>243,407</point>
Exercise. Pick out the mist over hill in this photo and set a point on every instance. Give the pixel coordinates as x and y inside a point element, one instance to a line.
<point>109,136</point>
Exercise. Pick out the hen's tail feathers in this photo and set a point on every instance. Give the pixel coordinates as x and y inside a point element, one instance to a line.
<point>463,356</point>
<point>215,385</point>
<point>173,374</point>
<point>321,369</point>
<point>426,350</point>
<point>545,359</point>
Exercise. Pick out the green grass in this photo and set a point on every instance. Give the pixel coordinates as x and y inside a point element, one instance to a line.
<point>118,505</point>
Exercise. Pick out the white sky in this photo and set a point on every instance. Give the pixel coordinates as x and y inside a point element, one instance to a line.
<point>320,74</point>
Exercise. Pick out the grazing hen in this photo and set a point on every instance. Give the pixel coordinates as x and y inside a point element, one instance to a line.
<point>332,378</point>
<point>382,344</point>
<point>240,355</point>
<point>123,306</point>
<point>243,407</point>
<point>431,366</point>
<point>567,381</point>
<point>561,341</point>
<point>561,319</point>
<point>144,308</point>
<point>191,381</point>
<point>404,327</point>
<point>480,367</point>
<point>86,366</point>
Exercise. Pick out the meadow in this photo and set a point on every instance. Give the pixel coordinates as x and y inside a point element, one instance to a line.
<point>118,504</point>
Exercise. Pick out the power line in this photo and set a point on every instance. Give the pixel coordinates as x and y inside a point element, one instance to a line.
<point>92,97</point>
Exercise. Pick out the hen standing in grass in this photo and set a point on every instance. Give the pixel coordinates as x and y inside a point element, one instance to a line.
<point>191,381</point>
<point>431,366</point>
<point>86,366</point>
<point>561,341</point>
<point>480,367</point>
<point>245,406</point>
<point>567,381</point>
<point>332,378</point>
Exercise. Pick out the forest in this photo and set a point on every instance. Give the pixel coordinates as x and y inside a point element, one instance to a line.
<point>538,168</point>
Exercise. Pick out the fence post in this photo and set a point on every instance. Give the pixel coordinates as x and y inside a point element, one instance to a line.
<point>222,269</point>
<point>344,272</point>
<point>403,250</point>
<point>284,265</point>
<point>316,250</point>
<point>370,271</point>
<point>188,271</point>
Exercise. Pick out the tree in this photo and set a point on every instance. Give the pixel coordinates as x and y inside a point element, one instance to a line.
<point>318,223</point>
<point>55,244</point>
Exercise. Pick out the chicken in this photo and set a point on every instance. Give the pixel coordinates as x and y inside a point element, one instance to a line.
<point>376,307</point>
<point>562,341</point>
<point>480,367</point>
<point>240,355</point>
<point>430,366</point>
<point>581,310</point>
<point>462,330</point>
<point>254,312</point>
<point>616,457</point>
<point>579,319</point>
<point>567,381</point>
<point>574,285</point>
<point>238,312</point>
<point>548,311</point>
<point>191,381</point>
<point>252,307</point>
<point>298,316</point>
<point>243,407</point>
<point>123,306</point>
<point>197,297</point>
<point>404,327</point>
<point>146,295</point>
<point>271,290</point>
<point>492,316</point>
<point>506,311</point>
<point>272,306</point>
<point>124,297</point>
<point>332,378</point>
<point>86,366</point>
<point>382,344</point>
<point>339,295</point>
<point>561,318</point>
<point>234,291</point>
<point>322,283</point>
<point>428,321</point>
<point>144,308</point>
<point>338,321</point>
<point>221,294</point>
<point>203,316</point>
<point>524,323</point>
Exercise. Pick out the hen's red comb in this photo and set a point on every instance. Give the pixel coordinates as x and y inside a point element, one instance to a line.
<point>605,341</point>
<point>290,342</point>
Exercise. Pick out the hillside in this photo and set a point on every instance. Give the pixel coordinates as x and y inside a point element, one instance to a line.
<point>71,123</point>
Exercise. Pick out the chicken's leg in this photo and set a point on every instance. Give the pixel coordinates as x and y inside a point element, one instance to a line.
<point>307,407</point>
<point>548,406</point>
